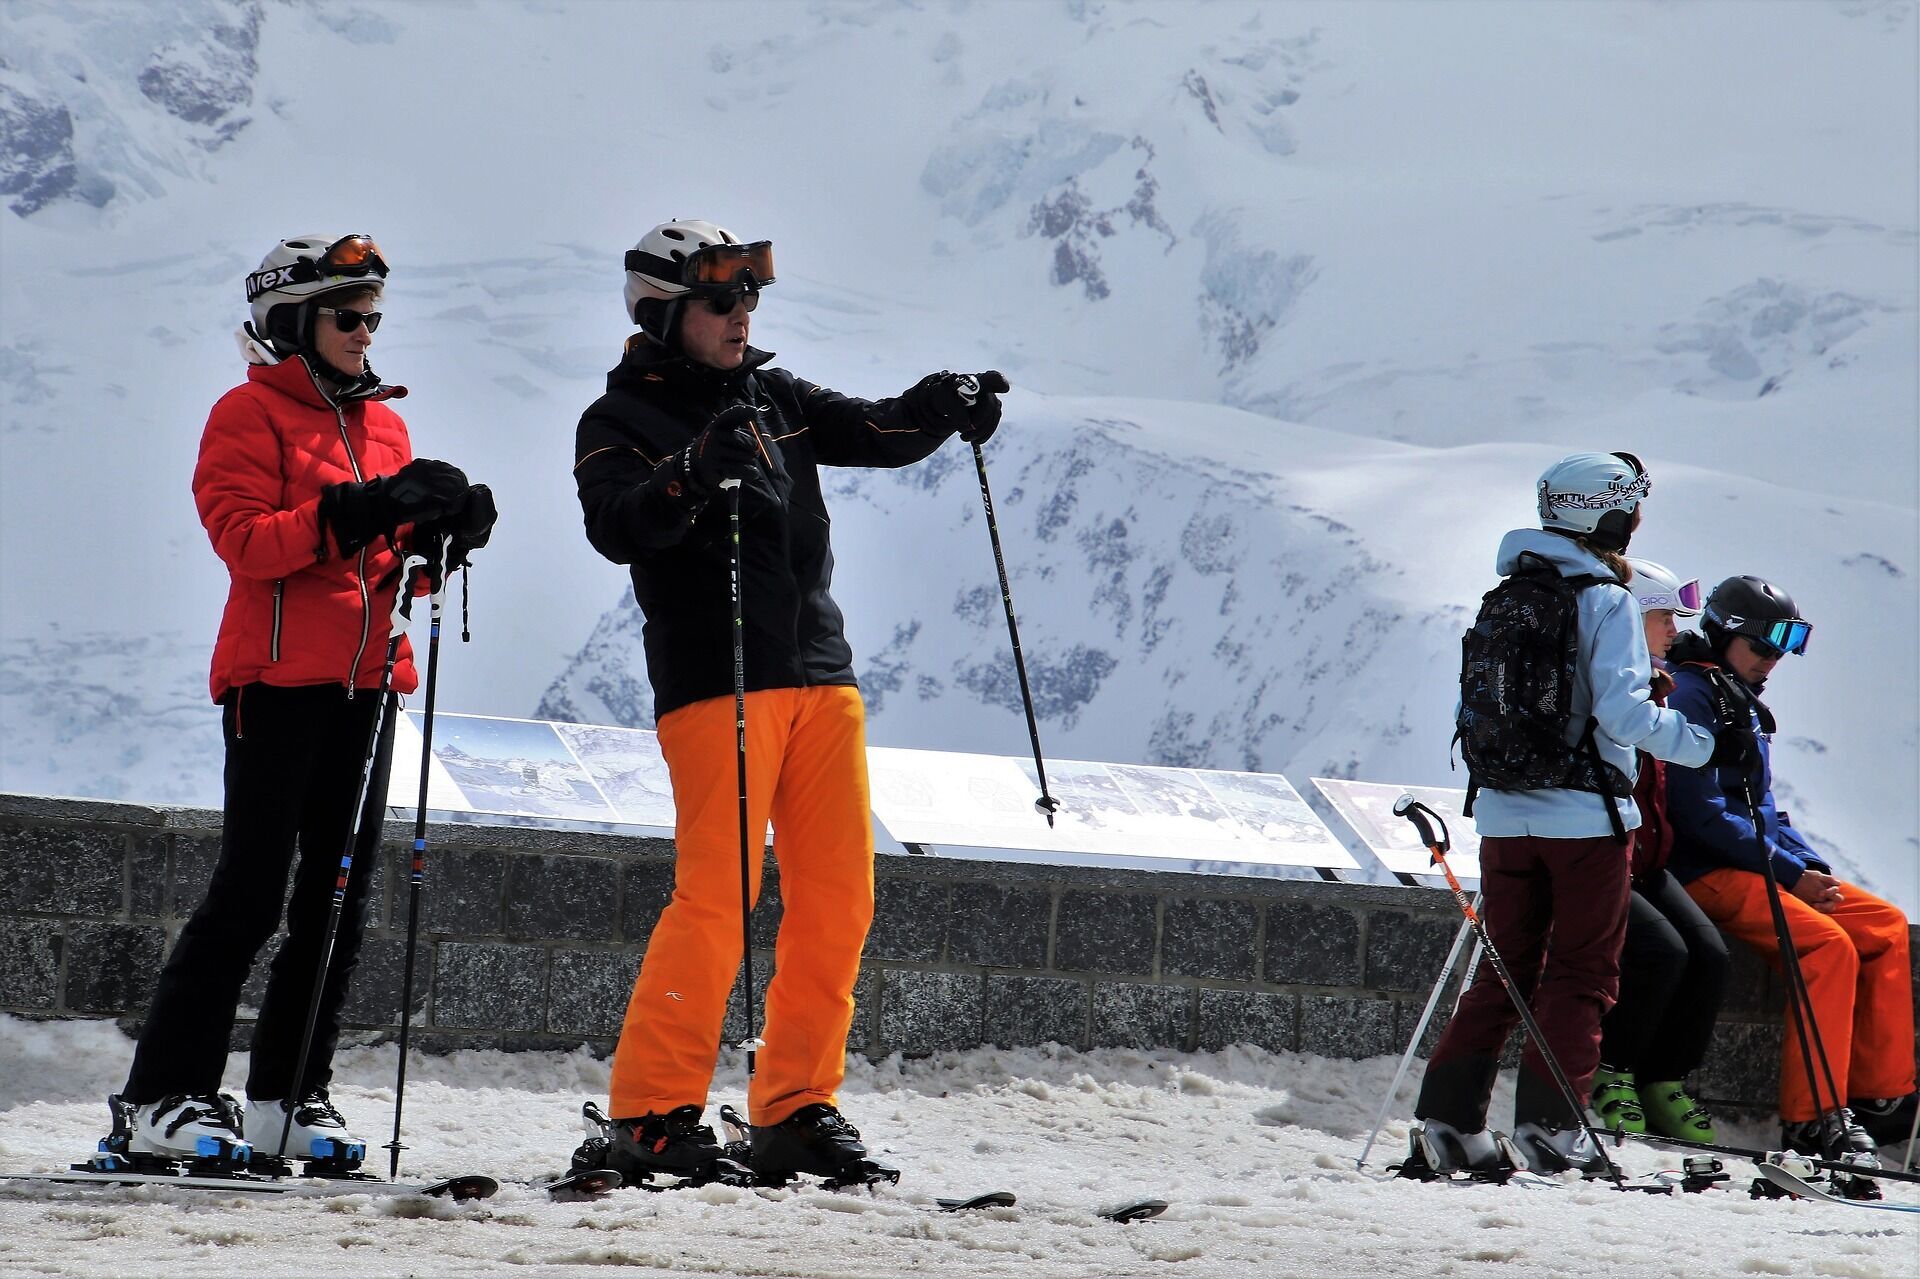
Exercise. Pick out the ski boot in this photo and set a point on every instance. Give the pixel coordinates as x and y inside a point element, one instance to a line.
<point>1671,1113</point>
<point>1837,1136</point>
<point>1888,1120</point>
<point>1437,1150</point>
<point>1616,1101</point>
<point>318,1137</point>
<point>817,1140</point>
<point>199,1136</point>
<point>1550,1150</point>
<point>657,1152</point>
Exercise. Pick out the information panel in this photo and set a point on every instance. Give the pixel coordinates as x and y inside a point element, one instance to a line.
<point>1368,808</point>
<point>1125,815</point>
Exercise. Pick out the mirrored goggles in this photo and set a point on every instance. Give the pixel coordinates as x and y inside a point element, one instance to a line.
<point>716,266</point>
<point>1685,598</point>
<point>1774,640</point>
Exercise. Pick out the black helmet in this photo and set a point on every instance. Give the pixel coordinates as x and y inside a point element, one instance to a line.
<point>1757,609</point>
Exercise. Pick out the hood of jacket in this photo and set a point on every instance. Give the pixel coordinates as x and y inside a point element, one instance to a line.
<point>1566,555</point>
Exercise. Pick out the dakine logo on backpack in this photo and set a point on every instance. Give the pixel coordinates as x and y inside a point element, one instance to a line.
<point>1519,667</point>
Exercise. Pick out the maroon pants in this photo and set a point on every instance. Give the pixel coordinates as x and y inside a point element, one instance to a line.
<point>1573,892</point>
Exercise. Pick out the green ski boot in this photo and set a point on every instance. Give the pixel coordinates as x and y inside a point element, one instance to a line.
<point>1616,1101</point>
<point>1670,1112</point>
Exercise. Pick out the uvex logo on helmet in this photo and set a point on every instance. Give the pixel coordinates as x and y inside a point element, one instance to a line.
<point>260,281</point>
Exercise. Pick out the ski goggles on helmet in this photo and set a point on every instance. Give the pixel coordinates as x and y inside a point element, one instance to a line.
<point>1774,640</point>
<point>1684,598</point>
<point>351,256</point>
<point>713,266</point>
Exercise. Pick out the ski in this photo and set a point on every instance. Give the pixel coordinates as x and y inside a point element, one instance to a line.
<point>1800,1188</point>
<point>992,1199</point>
<point>460,1189</point>
<point>1768,1156</point>
<point>582,1184</point>
<point>1141,1210</point>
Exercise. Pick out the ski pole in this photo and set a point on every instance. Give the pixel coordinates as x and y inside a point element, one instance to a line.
<point>402,613</point>
<point>1799,1001</point>
<point>1419,814</point>
<point>752,1043</point>
<point>1426,1015</point>
<point>969,389</point>
<point>417,876</point>
<point>1913,1134</point>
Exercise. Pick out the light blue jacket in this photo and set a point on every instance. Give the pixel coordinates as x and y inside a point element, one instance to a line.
<point>1611,685</point>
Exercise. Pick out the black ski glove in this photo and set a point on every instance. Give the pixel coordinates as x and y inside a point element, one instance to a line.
<point>963,404</point>
<point>725,450</point>
<point>423,489</point>
<point>469,525</point>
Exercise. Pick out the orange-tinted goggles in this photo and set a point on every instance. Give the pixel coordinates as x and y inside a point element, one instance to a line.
<point>723,265</point>
<point>715,266</point>
<point>353,255</point>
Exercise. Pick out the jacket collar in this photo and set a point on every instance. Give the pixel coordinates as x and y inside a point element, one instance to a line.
<point>647,361</point>
<point>293,378</point>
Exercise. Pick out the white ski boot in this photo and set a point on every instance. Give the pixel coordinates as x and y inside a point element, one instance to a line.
<point>318,1136</point>
<point>1552,1150</point>
<point>202,1131</point>
<point>1436,1149</point>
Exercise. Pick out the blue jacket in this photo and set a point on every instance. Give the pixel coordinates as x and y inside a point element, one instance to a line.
<point>1712,825</point>
<point>1612,686</point>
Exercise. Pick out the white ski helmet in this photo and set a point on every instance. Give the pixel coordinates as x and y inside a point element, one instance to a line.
<point>688,256</point>
<point>1657,586</point>
<point>302,268</point>
<point>1594,496</point>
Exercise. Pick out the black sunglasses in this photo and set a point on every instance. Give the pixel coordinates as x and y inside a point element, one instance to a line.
<point>723,302</point>
<point>347,320</point>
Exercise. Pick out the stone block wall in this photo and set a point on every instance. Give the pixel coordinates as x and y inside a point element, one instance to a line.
<point>531,938</point>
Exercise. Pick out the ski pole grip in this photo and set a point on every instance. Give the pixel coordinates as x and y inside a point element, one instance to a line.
<point>403,598</point>
<point>1424,819</point>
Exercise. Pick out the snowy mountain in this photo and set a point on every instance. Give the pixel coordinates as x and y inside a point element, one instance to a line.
<point>1298,301</point>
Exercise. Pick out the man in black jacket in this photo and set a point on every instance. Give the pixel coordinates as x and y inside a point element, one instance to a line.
<point>690,407</point>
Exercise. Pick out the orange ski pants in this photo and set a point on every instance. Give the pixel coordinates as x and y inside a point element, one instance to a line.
<point>1858,982</point>
<point>807,769</point>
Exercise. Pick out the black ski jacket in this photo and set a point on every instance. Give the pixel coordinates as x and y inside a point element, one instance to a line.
<point>641,510</point>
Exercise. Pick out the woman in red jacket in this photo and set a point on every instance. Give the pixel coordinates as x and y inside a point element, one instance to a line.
<point>1673,966</point>
<point>304,481</point>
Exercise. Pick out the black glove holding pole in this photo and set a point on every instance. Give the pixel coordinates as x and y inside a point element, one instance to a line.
<point>963,404</point>
<point>1734,743</point>
<point>463,530</point>
<point>725,450</point>
<point>357,513</point>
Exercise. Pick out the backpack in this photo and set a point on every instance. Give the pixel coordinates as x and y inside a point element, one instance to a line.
<point>1518,670</point>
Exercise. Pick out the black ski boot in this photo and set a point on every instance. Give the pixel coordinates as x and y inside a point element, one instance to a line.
<point>658,1152</point>
<point>817,1140</point>
<point>1836,1135</point>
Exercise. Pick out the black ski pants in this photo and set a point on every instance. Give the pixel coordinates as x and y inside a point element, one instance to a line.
<point>1673,972</point>
<point>294,761</point>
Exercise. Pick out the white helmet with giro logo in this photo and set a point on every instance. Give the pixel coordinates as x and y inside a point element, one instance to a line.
<point>1657,586</point>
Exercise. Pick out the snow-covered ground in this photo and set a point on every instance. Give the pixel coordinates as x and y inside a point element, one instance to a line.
<point>1255,1151</point>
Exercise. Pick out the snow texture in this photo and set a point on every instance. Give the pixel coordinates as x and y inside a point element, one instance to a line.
<point>1255,1152</point>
